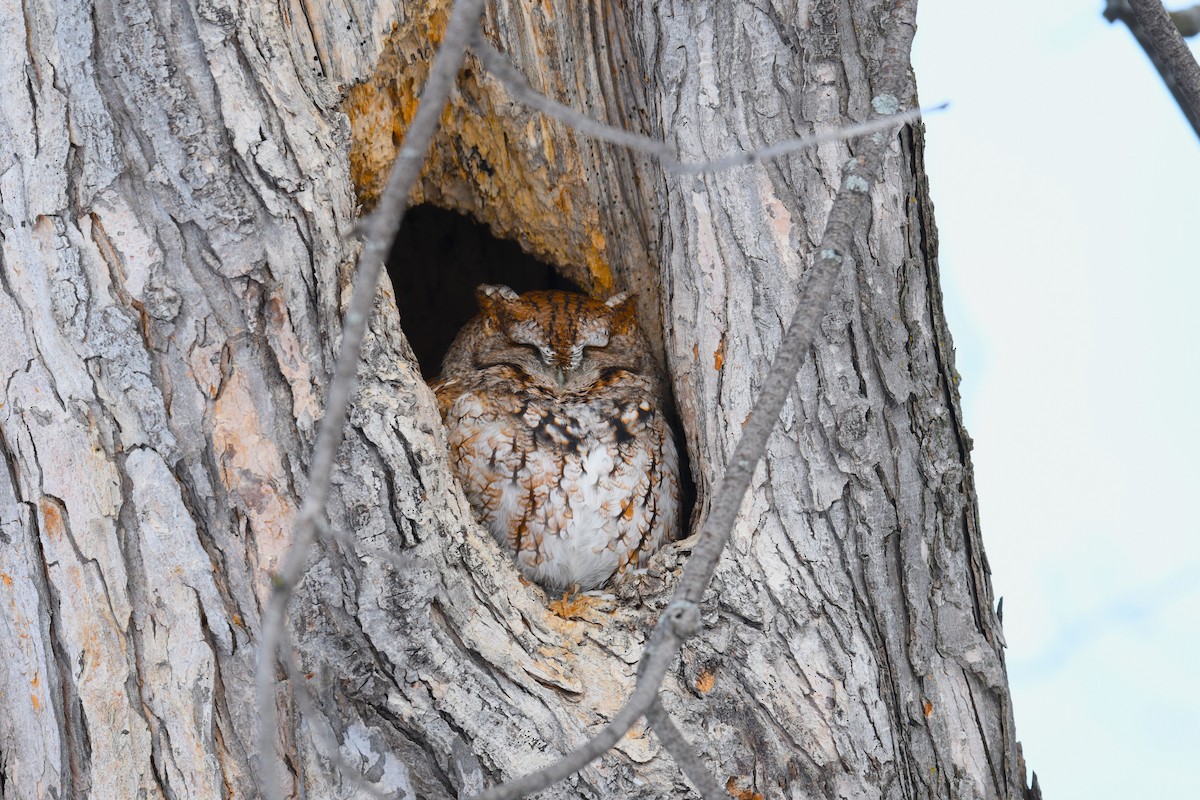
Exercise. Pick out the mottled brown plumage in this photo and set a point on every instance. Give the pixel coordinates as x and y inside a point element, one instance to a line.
<point>557,432</point>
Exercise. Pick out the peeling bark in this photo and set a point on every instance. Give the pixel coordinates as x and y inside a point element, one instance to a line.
<point>176,202</point>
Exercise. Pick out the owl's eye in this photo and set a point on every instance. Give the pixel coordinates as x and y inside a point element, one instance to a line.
<point>592,340</point>
<point>544,354</point>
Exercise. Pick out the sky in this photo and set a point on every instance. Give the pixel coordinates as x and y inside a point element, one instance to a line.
<point>1066,186</point>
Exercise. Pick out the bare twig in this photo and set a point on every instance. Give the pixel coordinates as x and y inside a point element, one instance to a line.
<point>849,206</point>
<point>516,85</point>
<point>380,232</point>
<point>397,560</point>
<point>1150,24</point>
<point>677,623</point>
<point>317,722</point>
<point>683,752</point>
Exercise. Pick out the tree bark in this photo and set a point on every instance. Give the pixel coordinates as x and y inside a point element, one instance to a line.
<point>177,201</point>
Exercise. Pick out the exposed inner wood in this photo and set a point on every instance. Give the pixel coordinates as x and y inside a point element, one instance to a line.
<point>529,178</point>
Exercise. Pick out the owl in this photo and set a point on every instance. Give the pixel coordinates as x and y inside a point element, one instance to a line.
<point>554,405</point>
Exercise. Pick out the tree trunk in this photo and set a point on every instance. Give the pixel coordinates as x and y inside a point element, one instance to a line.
<point>177,198</point>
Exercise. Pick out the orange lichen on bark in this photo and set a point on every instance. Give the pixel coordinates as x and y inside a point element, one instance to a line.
<point>519,172</point>
<point>575,606</point>
<point>382,107</point>
<point>741,794</point>
<point>51,518</point>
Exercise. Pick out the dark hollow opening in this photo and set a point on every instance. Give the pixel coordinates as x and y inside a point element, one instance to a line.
<point>437,261</point>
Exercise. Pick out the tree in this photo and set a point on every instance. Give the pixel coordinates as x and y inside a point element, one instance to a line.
<point>179,208</point>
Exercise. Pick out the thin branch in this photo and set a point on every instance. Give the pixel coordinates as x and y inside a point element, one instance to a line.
<point>317,722</point>
<point>397,560</point>
<point>683,752</point>
<point>381,231</point>
<point>851,203</point>
<point>677,623</point>
<point>1150,24</point>
<point>516,85</point>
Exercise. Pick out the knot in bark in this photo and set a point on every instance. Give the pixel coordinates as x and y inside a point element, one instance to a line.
<point>683,618</point>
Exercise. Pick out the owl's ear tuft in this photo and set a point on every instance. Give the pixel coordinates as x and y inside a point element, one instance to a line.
<point>490,293</point>
<point>494,300</point>
<point>618,299</point>
<point>624,310</point>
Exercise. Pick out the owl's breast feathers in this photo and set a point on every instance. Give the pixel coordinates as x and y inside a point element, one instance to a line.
<point>579,488</point>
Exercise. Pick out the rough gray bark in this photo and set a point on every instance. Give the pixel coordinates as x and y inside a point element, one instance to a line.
<point>862,525</point>
<point>175,199</point>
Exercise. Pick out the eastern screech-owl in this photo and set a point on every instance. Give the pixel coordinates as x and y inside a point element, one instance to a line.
<point>558,434</point>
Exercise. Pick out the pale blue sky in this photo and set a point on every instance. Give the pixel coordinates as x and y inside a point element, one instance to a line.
<point>1067,193</point>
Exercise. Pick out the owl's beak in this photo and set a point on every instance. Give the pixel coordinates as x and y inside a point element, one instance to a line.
<point>560,375</point>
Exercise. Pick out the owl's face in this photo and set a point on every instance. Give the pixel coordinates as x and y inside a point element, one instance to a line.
<point>564,342</point>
